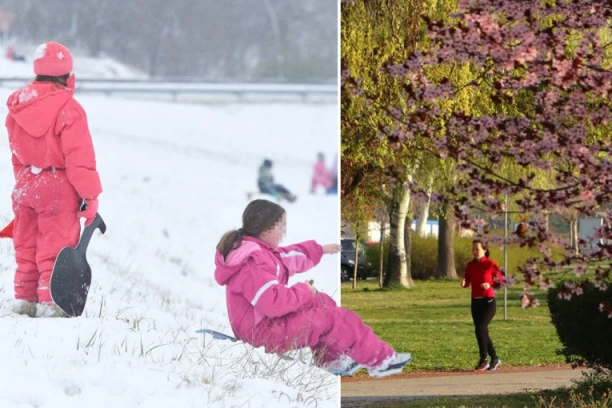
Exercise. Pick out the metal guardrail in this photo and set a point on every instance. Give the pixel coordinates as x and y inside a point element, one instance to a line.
<point>187,89</point>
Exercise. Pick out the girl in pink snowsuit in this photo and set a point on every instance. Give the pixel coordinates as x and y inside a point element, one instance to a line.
<point>55,173</point>
<point>320,175</point>
<point>264,311</point>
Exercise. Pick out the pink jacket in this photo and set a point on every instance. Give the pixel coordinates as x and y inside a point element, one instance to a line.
<point>256,277</point>
<point>47,127</point>
<point>320,176</point>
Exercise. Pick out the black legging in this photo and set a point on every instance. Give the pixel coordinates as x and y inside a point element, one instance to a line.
<point>483,310</point>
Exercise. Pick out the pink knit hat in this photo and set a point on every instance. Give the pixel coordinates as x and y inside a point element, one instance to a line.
<point>52,59</point>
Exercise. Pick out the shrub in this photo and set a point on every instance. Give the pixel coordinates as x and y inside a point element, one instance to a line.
<point>586,332</point>
<point>424,255</point>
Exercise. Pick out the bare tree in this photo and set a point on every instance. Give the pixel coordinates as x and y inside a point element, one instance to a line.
<point>267,39</point>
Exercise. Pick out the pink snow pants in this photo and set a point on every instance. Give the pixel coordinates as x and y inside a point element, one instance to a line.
<point>329,330</point>
<point>45,207</point>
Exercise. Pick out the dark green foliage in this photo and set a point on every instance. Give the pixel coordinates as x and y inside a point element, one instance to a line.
<point>424,255</point>
<point>584,330</point>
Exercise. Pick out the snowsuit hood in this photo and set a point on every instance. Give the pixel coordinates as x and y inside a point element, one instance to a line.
<point>236,259</point>
<point>36,106</point>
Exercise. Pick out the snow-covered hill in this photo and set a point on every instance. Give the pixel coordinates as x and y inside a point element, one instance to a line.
<point>175,178</point>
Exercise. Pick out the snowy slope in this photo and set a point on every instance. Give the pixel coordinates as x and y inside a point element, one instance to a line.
<point>174,178</point>
<point>84,67</point>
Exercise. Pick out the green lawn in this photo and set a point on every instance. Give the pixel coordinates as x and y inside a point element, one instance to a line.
<point>433,322</point>
<point>502,401</point>
<point>545,399</point>
<point>582,396</point>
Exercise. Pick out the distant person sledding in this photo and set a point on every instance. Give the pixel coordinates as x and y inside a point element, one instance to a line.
<point>12,55</point>
<point>265,181</point>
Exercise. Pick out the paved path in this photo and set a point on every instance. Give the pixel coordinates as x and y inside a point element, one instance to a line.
<point>363,392</point>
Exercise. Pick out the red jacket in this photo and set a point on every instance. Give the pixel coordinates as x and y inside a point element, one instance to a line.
<point>479,272</point>
<point>47,127</point>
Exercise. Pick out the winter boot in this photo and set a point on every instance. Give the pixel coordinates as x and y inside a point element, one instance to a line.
<point>289,197</point>
<point>24,307</point>
<point>49,310</point>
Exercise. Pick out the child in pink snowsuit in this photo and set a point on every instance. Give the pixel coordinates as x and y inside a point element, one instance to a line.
<point>264,311</point>
<point>55,173</point>
<point>320,175</point>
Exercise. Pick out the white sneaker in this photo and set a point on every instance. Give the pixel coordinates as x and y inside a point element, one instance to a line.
<point>494,364</point>
<point>343,365</point>
<point>24,307</point>
<point>49,310</point>
<point>391,365</point>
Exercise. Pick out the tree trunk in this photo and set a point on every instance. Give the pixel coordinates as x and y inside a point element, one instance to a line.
<point>396,263</point>
<point>574,236</point>
<point>94,42</point>
<point>74,19</point>
<point>356,266</point>
<point>408,248</point>
<point>153,68</point>
<point>571,233</point>
<point>446,249</point>
<point>382,253</point>
<point>421,228</point>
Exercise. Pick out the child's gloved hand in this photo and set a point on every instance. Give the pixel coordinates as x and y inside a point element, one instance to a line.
<point>331,248</point>
<point>89,209</point>
<point>310,284</point>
